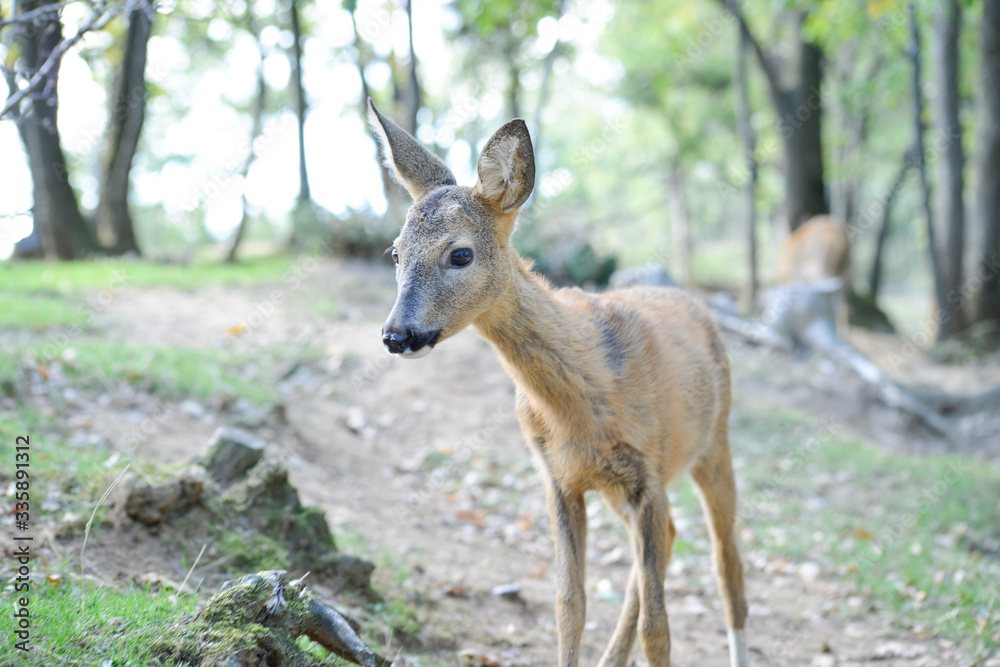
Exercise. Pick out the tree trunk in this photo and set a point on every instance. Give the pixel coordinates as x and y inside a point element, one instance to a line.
<point>799,107</point>
<point>300,102</point>
<point>949,211</point>
<point>801,125</point>
<point>984,281</point>
<point>260,101</point>
<point>750,150</point>
<point>875,276</point>
<point>128,110</point>
<point>680,240</point>
<point>55,210</point>
<point>513,92</point>
<point>920,160</point>
<point>411,94</point>
<point>395,195</point>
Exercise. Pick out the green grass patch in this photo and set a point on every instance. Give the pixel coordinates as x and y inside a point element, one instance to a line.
<point>39,311</point>
<point>166,371</point>
<point>68,277</point>
<point>81,623</point>
<point>917,534</point>
<point>65,480</point>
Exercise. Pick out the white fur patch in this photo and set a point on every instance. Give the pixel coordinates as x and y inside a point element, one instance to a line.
<point>422,352</point>
<point>739,655</point>
<point>496,171</point>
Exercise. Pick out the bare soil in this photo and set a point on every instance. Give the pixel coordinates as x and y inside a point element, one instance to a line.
<point>424,459</point>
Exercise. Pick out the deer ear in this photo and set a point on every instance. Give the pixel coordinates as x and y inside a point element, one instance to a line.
<point>507,167</point>
<point>416,168</point>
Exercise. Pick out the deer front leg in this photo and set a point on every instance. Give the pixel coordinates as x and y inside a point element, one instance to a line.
<point>568,514</point>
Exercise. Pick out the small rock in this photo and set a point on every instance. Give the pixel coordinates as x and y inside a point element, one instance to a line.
<point>510,592</point>
<point>809,571</point>
<point>152,503</point>
<point>230,453</point>
<point>192,408</point>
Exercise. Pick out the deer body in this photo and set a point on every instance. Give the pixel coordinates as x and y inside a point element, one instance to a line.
<point>619,392</point>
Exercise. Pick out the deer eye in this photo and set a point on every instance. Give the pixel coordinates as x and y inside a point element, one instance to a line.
<point>461,257</point>
<point>395,255</point>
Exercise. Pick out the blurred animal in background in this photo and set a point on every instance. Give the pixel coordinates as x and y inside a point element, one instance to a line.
<point>618,392</point>
<point>810,301</point>
<point>819,249</point>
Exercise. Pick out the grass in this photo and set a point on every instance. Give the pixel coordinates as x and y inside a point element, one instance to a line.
<point>39,311</point>
<point>76,622</point>
<point>72,277</point>
<point>167,371</point>
<point>911,533</point>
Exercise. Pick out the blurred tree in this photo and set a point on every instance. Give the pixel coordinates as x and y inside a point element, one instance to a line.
<point>679,78</point>
<point>950,186</point>
<point>749,139</point>
<point>985,228</point>
<point>127,113</point>
<point>920,158</point>
<point>299,97</point>
<point>797,96</point>
<point>303,216</point>
<point>494,36</point>
<point>395,196</point>
<point>250,24</point>
<point>34,107</point>
<point>882,236</point>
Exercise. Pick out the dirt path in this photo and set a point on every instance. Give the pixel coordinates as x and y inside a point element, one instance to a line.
<point>426,461</point>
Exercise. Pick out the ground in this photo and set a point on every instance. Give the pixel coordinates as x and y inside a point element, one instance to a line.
<point>420,466</point>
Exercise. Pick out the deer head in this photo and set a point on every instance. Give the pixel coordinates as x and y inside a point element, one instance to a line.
<point>453,255</point>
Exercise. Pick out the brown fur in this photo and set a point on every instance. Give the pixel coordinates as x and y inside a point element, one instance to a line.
<point>618,392</point>
<point>819,249</point>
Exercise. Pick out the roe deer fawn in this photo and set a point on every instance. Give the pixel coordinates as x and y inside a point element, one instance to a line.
<point>817,250</point>
<point>618,392</point>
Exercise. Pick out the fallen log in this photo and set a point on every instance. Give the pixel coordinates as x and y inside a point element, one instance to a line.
<point>804,315</point>
<point>255,620</point>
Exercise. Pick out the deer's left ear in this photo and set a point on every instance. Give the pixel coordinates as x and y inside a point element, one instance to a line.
<point>507,167</point>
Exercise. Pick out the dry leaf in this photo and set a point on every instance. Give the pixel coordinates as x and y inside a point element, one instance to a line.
<point>860,534</point>
<point>475,517</point>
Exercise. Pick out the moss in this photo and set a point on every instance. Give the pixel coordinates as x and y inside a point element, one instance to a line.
<point>255,621</point>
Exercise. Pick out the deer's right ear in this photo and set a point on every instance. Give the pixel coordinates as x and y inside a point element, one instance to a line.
<point>416,168</point>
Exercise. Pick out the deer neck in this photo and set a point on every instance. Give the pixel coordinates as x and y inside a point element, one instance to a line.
<point>542,345</point>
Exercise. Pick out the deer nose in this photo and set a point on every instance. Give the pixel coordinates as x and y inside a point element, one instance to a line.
<point>394,341</point>
<point>400,341</point>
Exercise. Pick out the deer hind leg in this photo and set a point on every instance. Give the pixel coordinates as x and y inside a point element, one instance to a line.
<point>713,475</point>
<point>654,536</point>
<point>568,514</point>
<point>618,651</point>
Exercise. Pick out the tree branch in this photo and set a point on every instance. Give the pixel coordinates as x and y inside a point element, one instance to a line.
<point>99,17</point>
<point>773,80</point>
<point>36,16</point>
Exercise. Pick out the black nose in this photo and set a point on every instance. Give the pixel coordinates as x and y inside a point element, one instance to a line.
<point>408,340</point>
<point>395,342</point>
